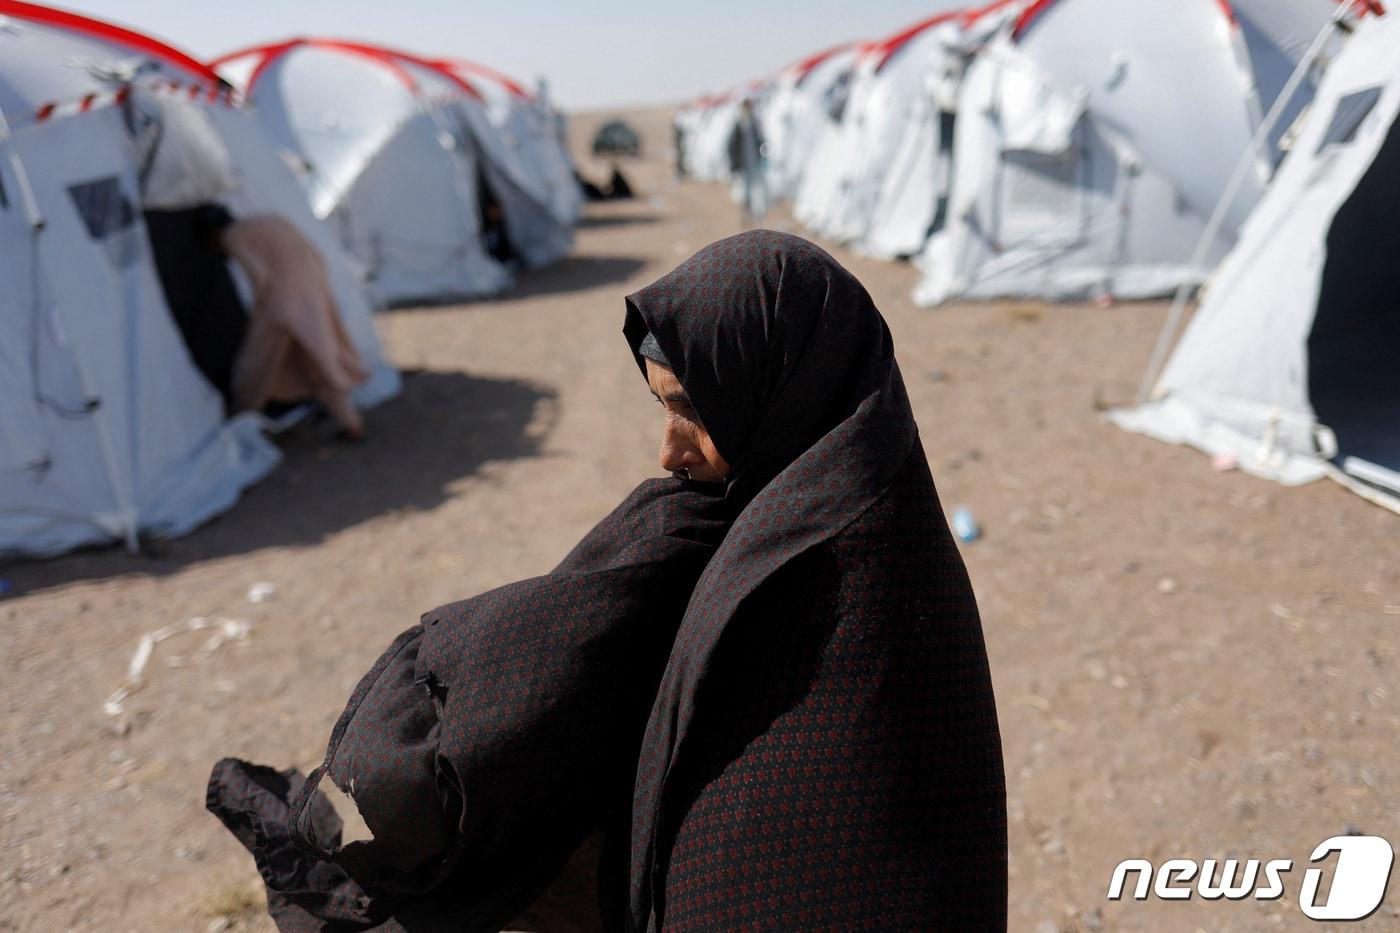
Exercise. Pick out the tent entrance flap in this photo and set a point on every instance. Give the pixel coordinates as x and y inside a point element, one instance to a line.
<point>1354,345</point>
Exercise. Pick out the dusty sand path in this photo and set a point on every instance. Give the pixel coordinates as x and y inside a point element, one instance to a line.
<point>1188,663</point>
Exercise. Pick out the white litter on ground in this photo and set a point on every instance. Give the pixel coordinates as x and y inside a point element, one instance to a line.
<point>224,630</point>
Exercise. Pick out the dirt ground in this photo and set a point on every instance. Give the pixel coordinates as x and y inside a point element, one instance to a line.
<point>1188,663</point>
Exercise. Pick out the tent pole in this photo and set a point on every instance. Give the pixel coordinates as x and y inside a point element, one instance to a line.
<point>1167,337</point>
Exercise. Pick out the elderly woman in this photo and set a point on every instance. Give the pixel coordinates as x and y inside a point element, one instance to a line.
<point>764,680</point>
<point>824,746</point>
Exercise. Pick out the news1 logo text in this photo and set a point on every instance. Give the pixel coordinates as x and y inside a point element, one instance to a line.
<point>1359,878</point>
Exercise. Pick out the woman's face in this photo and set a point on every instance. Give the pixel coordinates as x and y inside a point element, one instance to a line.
<point>685,444</point>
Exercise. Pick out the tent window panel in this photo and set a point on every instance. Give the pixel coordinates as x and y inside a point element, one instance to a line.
<point>1041,198</point>
<point>103,206</point>
<point>1351,110</point>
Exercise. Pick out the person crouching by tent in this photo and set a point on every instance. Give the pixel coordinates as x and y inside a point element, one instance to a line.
<point>746,163</point>
<point>291,345</point>
<point>296,346</point>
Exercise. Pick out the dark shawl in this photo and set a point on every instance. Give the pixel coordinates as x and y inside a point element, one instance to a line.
<point>488,741</point>
<point>824,747</point>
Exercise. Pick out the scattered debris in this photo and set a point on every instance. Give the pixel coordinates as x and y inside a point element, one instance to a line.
<point>1287,616</point>
<point>224,630</point>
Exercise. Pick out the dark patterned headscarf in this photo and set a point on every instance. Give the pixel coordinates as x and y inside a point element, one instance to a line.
<point>776,344</point>
<point>824,745</point>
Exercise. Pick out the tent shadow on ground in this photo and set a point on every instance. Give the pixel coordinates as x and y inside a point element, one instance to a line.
<point>445,426</point>
<point>573,274</point>
<point>596,221</point>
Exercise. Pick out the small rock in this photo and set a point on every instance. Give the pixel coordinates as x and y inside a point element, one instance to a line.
<point>261,591</point>
<point>217,925</point>
<point>1166,586</point>
<point>1091,920</point>
<point>1054,846</point>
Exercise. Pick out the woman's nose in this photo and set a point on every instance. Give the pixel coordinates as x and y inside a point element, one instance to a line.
<point>677,451</point>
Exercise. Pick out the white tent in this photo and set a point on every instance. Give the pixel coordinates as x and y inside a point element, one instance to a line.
<point>404,161</point>
<point>532,130</point>
<point>107,430</point>
<point>818,185</point>
<point>796,112</point>
<point>878,172</point>
<point>901,197</point>
<point>837,198</point>
<point>537,223</point>
<point>706,125</point>
<point>1289,367</point>
<point>1094,137</point>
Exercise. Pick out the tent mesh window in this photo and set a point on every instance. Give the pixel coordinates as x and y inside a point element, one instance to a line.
<point>1347,117</point>
<point>1040,204</point>
<point>103,206</point>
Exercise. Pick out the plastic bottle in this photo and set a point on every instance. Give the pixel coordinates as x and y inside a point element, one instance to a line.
<point>965,526</point>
